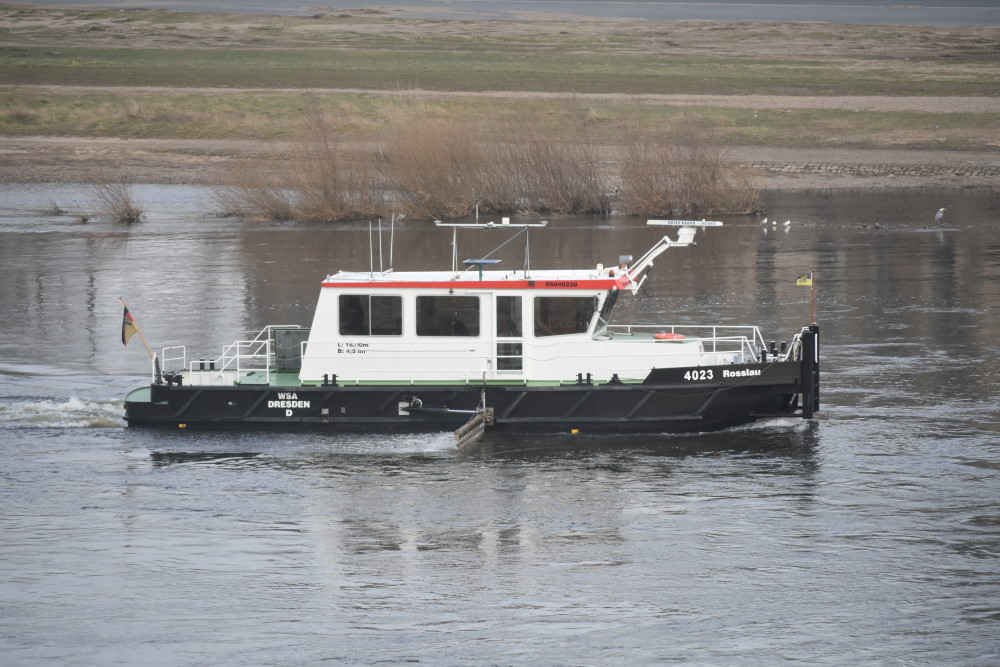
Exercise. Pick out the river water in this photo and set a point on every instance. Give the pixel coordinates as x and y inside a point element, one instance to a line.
<point>869,536</point>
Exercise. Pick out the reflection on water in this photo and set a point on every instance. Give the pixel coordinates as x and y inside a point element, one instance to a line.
<point>187,273</point>
<point>779,437</point>
<point>170,458</point>
<point>869,536</point>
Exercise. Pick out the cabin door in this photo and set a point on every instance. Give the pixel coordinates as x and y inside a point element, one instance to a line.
<point>509,361</point>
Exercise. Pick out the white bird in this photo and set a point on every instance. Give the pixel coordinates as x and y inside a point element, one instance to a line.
<point>764,221</point>
<point>788,223</point>
<point>939,215</point>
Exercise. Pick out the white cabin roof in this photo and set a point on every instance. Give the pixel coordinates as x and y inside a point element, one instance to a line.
<point>603,279</point>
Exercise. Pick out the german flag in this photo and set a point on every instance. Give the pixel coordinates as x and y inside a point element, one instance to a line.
<point>128,326</point>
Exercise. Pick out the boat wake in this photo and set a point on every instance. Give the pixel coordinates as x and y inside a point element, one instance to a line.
<point>400,443</point>
<point>775,424</point>
<point>29,412</point>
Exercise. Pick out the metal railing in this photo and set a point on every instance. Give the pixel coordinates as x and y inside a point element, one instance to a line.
<point>745,340</point>
<point>420,362</point>
<point>237,358</point>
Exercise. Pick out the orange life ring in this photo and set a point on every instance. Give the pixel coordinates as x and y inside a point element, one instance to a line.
<point>668,336</point>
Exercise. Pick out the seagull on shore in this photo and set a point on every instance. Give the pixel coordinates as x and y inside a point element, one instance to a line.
<point>939,215</point>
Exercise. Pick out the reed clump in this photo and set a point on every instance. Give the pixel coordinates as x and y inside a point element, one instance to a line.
<point>433,167</point>
<point>113,198</point>
<point>255,193</point>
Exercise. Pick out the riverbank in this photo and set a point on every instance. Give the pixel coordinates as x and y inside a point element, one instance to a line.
<point>182,97</point>
<point>210,162</point>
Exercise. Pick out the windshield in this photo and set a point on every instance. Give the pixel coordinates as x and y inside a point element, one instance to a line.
<point>609,304</point>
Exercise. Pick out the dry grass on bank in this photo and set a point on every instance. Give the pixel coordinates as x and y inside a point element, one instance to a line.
<point>434,168</point>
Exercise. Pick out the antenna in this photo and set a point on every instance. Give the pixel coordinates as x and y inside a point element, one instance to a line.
<point>527,252</point>
<point>454,243</point>
<point>492,225</point>
<point>685,223</point>
<point>392,237</point>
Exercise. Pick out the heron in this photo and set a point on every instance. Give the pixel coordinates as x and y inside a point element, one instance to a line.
<point>939,215</point>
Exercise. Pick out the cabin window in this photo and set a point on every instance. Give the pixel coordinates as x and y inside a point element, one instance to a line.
<point>447,315</point>
<point>510,357</point>
<point>368,315</point>
<point>508,317</point>
<point>562,315</point>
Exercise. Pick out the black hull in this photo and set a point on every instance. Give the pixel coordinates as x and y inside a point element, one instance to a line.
<point>669,401</point>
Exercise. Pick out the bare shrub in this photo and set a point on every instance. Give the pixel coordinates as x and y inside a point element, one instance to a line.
<point>435,167</point>
<point>331,182</point>
<point>684,175</point>
<point>735,192</point>
<point>112,197</point>
<point>53,209</point>
<point>319,182</point>
<point>555,172</point>
<point>432,167</point>
<point>440,169</point>
<point>255,193</point>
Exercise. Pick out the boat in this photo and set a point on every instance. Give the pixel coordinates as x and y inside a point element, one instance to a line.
<point>522,350</point>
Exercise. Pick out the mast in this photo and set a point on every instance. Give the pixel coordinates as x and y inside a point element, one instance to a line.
<point>505,224</point>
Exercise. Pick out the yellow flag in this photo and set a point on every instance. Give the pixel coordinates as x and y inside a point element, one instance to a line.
<point>804,281</point>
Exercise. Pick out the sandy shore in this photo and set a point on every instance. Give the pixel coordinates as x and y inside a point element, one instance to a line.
<point>208,162</point>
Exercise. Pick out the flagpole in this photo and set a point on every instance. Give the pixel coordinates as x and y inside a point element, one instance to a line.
<point>138,331</point>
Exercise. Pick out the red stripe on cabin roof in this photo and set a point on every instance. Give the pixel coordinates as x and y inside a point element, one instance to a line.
<point>600,283</point>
